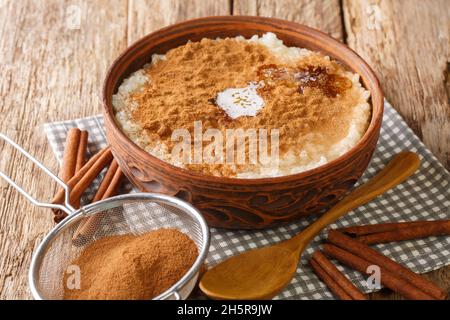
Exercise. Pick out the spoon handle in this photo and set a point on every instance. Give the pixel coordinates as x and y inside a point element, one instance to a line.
<point>396,171</point>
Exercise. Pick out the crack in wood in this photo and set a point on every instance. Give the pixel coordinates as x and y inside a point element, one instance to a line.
<point>447,81</point>
<point>341,14</point>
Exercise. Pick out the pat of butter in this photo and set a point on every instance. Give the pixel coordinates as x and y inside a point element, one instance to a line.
<point>238,102</point>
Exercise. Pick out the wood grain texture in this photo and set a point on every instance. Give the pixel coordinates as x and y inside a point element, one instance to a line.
<point>52,68</point>
<point>407,43</point>
<point>54,56</point>
<point>147,16</point>
<point>324,15</point>
<point>414,39</point>
<point>51,71</point>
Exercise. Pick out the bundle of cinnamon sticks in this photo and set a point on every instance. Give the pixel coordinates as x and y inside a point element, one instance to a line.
<point>350,247</point>
<point>79,174</point>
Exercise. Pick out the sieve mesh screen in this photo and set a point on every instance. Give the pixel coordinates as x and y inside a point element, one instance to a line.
<point>128,216</point>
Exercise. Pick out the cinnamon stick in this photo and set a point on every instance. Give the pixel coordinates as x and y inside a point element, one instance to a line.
<point>356,231</point>
<point>82,148</point>
<point>81,158</point>
<point>329,281</point>
<point>83,178</point>
<point>106,182</point>
<point>388,279</point>
<point>334,279</point>
<point>108,188</point>
<point>403,231</point>
<point>69,161</point>
<point>374,257</point>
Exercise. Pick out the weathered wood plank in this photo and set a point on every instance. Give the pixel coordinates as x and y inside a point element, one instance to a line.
<point>52,67</point>
<point>147,16</point>
<point>428,75</point>
<point>323,15</point>
<point>54,57</point>
<point>407,43</point>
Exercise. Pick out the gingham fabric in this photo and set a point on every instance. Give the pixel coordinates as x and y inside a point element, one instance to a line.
<point>424,196</point>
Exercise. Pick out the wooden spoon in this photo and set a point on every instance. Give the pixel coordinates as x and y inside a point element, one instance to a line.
<point>262,273</point>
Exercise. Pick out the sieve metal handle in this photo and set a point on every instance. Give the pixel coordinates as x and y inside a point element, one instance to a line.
<point>67,208</point>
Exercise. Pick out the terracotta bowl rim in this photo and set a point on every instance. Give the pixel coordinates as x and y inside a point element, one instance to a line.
<point>373,128</point>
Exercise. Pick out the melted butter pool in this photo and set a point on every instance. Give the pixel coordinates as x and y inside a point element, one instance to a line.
<point>239,102</point>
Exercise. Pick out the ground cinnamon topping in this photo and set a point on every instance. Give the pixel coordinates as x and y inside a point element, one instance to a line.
<point>309,97</point>
<point>133,267</point>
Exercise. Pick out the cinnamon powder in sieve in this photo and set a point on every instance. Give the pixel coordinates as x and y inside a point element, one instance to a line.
<point>132,267</point>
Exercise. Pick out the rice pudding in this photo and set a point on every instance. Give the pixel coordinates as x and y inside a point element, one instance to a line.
<point>316,107</point>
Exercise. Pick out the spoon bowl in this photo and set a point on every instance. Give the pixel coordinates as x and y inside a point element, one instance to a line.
<point>273,274</point>
<point>262,273</point>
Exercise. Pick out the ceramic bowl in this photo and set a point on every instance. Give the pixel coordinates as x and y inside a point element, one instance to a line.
<point>232,202</point>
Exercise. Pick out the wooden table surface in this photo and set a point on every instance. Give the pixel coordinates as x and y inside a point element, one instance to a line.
<point>54,55</point>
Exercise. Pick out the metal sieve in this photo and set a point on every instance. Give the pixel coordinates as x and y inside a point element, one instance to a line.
<point>134,213</point>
